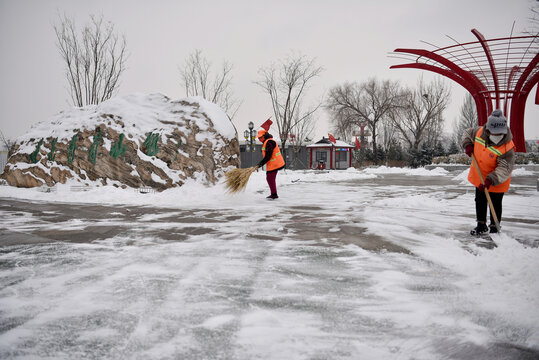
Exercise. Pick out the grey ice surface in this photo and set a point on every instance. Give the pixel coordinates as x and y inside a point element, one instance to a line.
<point>309,279</point>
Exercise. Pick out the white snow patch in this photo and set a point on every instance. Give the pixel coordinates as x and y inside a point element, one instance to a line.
<point>407,171</point>
<point>218,321</point>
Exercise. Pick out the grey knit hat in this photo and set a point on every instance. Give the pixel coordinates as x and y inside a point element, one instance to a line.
<point>497,123</point>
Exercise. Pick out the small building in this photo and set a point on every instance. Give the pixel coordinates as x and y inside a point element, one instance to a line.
<point>327,155</point>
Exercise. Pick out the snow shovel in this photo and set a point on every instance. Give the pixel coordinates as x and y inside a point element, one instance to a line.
<point>492,211</point>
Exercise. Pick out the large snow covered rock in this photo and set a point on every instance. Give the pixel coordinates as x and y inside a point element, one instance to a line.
<point>136,140</point>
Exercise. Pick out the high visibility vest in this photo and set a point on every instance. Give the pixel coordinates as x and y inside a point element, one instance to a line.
<point>486,157</point>
<point>276,161</point>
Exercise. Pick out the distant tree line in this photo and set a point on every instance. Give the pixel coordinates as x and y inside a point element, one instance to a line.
<point>405,124</point>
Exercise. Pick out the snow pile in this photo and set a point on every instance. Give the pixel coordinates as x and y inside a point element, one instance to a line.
<point>520,171</point>
<point>137,140</point>
<point>195,192</point>
<point>406,171</point>
<point>462,177</point>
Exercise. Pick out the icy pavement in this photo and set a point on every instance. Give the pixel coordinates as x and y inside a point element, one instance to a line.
<point>345,265</point>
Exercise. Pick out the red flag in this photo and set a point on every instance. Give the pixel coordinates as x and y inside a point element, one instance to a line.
<point>332,138</point>
<point>266,125</point>
<point>358,145</point>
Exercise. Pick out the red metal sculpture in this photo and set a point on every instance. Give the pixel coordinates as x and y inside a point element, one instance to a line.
<point>495,70</point>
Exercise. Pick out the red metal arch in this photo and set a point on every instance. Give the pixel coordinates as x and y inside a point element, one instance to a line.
<point>484,106</point>
<point>479,102</point>
<point>464,64</point>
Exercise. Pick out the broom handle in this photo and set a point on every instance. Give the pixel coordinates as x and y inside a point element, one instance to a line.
<point>492,211</point>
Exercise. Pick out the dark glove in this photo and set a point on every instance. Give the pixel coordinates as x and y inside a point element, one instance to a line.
<point>482,187</point>
<point>469,150</point>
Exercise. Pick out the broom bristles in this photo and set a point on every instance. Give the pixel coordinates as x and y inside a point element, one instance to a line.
<point>236,179</point>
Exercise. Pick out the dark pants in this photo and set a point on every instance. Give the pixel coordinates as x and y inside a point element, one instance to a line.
<point>270,177</point>
<point>481,205</point>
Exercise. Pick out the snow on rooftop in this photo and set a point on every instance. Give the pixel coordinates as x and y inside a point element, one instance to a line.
<point>327,143</point>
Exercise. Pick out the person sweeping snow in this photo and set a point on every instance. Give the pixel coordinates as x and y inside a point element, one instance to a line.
<point>271,157</point>
<point>492,150</point>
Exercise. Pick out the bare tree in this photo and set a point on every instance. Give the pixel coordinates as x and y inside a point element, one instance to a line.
<point>369,102</point>
<point>94,59</point>
<point>286,84</point>
<point>7,143</point>
<point>467,117</point>
<point>419,114</point>
<point>301,134</point>
<point>344,124</point>
<point>534,22</point>
<point>197,80</point>
<point>388,133</point>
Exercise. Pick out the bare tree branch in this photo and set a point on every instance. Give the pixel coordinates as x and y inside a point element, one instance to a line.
<point>467,118</point>
<point>369,102</point>
<point>534,22</point>
<point>94,60</point>
<point>300,134</point>
<point>286,83</point>
<point>418,116</point>
<point>7,143</point>
<point>195,78</point>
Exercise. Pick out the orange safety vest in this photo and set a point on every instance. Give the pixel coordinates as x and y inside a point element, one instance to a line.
<point>276,161</point>
<point>486,157</point>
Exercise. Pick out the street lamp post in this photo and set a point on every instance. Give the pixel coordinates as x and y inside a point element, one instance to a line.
<point>251,127</point>
<point>249,136</point>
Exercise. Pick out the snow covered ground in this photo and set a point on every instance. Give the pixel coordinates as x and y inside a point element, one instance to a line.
<point>370,264</point>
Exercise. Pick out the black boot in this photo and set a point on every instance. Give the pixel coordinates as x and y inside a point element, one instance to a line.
<point>480,229</point>
<point>493,229</point>
<point>272,196</point>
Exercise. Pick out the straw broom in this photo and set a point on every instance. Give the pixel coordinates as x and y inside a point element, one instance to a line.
<point>237,179</point>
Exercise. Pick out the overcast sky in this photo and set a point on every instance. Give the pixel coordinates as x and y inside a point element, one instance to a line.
<point>351,39</point>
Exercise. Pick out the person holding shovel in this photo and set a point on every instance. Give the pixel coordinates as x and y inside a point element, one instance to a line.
<point>271,157</point>
<point>492,151</point>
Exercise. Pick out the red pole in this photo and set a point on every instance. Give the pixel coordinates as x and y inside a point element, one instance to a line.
<point>518,104</point>
<point>506,103</point>
<point>488,54</point>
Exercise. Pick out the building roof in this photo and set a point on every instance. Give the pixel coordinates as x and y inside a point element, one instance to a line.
<point>326,143</point>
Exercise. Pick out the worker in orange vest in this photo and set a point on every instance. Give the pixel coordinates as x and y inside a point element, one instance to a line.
<point>271,157</point>
<point>493,148</point>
